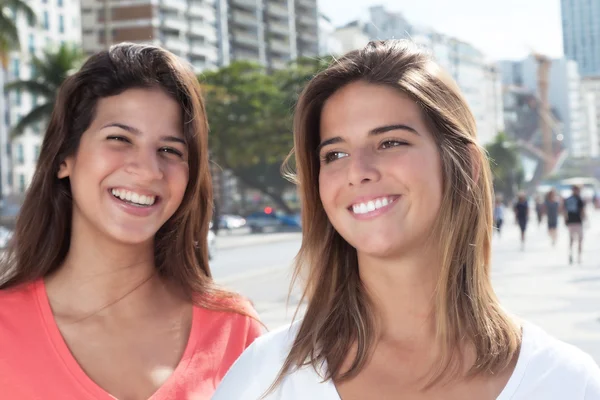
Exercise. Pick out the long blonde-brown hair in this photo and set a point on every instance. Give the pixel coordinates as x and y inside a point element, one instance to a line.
<point>340,315</point>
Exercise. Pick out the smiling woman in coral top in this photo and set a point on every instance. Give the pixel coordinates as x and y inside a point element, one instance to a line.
<point>106,292</point>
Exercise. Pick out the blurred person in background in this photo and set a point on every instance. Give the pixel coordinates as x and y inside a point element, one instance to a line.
<point>106,291</point>
<point>552,210</point>
<point>539,208</point>
<point>521,209</point>
<point>397,217</point>
<point>574,212</point>
<point>498,214</point>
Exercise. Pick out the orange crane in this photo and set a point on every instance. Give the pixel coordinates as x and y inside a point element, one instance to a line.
<point>543,71</point>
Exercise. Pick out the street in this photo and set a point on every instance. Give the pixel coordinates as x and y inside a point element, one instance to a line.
<point>536,284</point>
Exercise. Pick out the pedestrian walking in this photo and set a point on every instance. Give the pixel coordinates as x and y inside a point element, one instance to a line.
<point>397,220</point>
<point>552,209</point>
<point>539,209</point>
<point>521,209</point>
<point>498,214</point>
<point>574,211</point>
<point>105,292</point>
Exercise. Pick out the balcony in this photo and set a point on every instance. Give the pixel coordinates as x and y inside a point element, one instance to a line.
<point>310,4</point>
<point>278,10</point>
<point>279,46</point>
<point>172,22</point>
<point>245,19</point>
<point>179,5</point>
<point>205,31</point>
<point>308,20</point>
<point>246,39</point>
<point>175,44</point>
<point>279,28</point>
<point>308,37</point>
<point>207,51</point>
<point>248,4</point>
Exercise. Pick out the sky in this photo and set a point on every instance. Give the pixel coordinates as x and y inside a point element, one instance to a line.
<point>501,29</point>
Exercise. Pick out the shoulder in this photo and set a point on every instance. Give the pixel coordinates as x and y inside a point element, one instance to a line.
<point>233,315</point>
<point>552,367</point>
<point>13,299</point>
<point>257,368</point>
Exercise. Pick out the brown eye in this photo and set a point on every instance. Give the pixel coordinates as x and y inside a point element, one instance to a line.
<point>333,155</point>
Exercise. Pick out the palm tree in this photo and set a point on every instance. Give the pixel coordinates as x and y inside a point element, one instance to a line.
<point>49,73</point>
<point>9,36</point>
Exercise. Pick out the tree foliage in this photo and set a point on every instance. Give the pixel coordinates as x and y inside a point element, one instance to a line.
<point>9,36</point>
<point>505,164</point>
<point>250,116</point>
<point>50,71</point>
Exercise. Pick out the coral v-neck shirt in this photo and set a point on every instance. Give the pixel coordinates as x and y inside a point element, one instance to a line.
<point>35,362</point>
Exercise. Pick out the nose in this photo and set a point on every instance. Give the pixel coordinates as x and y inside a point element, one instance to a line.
<point>145,164</point>
<point>363,168</point>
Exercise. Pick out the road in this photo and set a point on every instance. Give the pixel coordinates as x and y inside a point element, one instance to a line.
<point>536,284</point>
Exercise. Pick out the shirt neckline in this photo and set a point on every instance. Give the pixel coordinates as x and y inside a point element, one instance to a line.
<point>513,382</point>
<point>78,374</point>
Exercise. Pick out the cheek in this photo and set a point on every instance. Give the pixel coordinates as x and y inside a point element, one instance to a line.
<point>178,178</point>
<point>328,189</point>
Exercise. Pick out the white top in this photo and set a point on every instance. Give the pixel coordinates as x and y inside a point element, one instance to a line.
<point>547,369</point>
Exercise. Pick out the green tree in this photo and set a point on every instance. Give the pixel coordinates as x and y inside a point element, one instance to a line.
<point>50,71</point>
<point>9,35</point>
<point>250,117</point>
<point>505,164</point>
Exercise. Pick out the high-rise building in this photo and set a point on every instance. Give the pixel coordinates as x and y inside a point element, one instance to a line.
<point>58,22</point>
<point>268,32</point>
<point>591,89</point>
<point>384,24</point>
<point>479,81</point>
<point>581,34</point>
<point>187,28</point>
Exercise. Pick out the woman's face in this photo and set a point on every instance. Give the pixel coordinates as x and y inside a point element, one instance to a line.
<point>380,177</point>
<point>130,172</point>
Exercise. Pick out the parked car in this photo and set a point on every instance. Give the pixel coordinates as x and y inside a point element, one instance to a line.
<point>5,235</point>
<point>263,220</point>
<point>212,242</point>
<point>229,221</point>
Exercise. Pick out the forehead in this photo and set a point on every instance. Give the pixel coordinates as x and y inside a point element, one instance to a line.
<point>150,107</point>
<point>361,106</point>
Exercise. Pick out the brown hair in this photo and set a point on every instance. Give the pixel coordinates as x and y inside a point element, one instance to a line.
<point>339,313</point>
<point>43,228</point>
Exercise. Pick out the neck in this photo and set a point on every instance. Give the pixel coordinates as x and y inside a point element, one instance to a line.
<point>98,272</point>
<point>403,292</point>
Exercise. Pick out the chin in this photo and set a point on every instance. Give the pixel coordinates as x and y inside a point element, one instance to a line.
<point>131,237</point>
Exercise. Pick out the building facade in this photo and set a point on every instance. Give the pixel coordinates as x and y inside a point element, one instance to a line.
<point>591,90</point>
<point>187,28</point>
<point>268,32</point>
<point>58,21</point>
<point>581,34</point>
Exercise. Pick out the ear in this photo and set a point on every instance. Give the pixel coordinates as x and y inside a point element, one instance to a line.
<point>64,169</point>
<point>476,160</point>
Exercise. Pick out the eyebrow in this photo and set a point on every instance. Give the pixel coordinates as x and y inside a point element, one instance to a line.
<point>137,132</point>
<point>372,132</point>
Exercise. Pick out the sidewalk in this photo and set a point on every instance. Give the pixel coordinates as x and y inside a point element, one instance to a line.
<point>539,285</point>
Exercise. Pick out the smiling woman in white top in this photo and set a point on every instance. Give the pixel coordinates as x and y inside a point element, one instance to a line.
<point>397,221</point>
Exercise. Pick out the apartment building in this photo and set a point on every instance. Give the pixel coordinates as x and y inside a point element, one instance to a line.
<point>187,28</point>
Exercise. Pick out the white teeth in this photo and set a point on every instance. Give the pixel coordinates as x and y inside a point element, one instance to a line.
<point>133,197</point>
<point>372,205</point>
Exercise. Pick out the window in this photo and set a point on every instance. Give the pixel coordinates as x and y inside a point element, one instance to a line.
<point>20,154</point>
<point>18,97</point>
<point>22,183</point>
<point>61,24</point>
<point>60,3</point>
<point>31,44</point>
<point>46,21</point>
<point>16,67</point>
<point>37,152</point>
